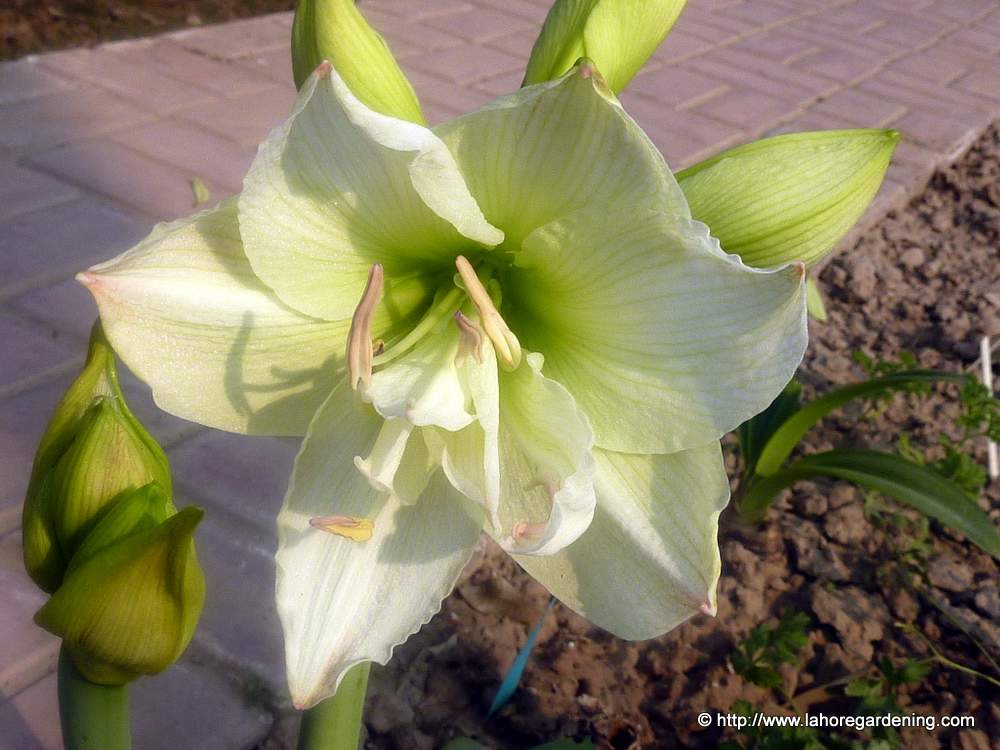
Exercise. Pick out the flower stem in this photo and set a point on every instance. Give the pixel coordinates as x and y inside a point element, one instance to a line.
<point>94,717</point>
<point>335,724</point>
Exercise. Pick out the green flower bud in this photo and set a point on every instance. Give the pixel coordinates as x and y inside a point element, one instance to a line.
<point>133,593</point>
<point>618,35</point>
<point>791,197</point>
<point>335,30</point>
<point>93,450</point>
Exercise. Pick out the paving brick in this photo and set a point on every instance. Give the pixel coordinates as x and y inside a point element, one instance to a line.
<point>65,310</point>
<point>241,476</point>
<point>809,120</point>
<point>458,100</point>
<point>776,44</point>
<point>500,85</point>
<point>842,37</point>
<point>742,107</point>
<point>679,46</point>
<point>683,136</point>
<point>30,719</point>
<point>192,149</point>
<point>23,190</point>
<point>744,70</point>
<point>413,10</point>
<point>71,115</point>
<point>965,11</point>
<point>979,83</point>
<point>26,354</point>
<point>25,79</point>
<point>519,45</point>
<point>843,66</point>
<point>275,65</point>
<point>697,26</point>
<point>398,30</point>
<point>856,18</point>
<point>235,39</point>
<point>909,31</point>
<point>912,91</point>
<point>246,119</point>
<point>861,109</point>
<point>931,64</point>
<point>51,244</point>
<point>533,11</point>
<point>106,167</point>
<point>27,653</point>
<point>130,78</point>
<point>467,63</point>
<point>987,41</point>
<point>479,24</point>
<point>239,621</point>
<point>197,69</point>
<point>188,706</point>
<point>948,134</point>
<point>677,86</point>
<point>762,12</point>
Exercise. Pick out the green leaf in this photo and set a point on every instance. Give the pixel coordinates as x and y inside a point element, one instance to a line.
<point>755,432</point>
<point>917,486</point>
<point>786,437</point>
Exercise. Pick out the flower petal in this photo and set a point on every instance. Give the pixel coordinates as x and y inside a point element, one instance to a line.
<point>186,313</point>
<point>423,386</point>
<point>665,342</point>
<point>546,469</point>
<point>339,187</point>
<point>550,149</point>
<point>650,559</point>
<point>341,601</point>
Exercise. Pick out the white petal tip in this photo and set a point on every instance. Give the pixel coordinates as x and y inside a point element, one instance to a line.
<point>707,609</point>
<point>323,69</point>
<point>88,279</point>
<point>800,269</point>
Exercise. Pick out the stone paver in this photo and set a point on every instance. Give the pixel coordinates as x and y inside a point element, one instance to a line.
<point>97,145</point>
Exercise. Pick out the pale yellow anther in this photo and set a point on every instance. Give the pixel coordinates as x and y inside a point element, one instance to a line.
<point>360,350</point>
<point>350,527</point>
<point>470,338</point>
<point>507,346</point>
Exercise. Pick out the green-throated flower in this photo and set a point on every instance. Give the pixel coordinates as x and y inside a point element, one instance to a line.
<point>510,322</point>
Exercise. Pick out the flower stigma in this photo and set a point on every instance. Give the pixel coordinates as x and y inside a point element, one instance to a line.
<point>350,527</point>
<point>470,338</point>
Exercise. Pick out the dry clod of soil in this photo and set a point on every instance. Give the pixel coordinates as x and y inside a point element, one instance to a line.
<point>858,617</point>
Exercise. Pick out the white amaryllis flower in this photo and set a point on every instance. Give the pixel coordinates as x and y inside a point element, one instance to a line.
<point>390,292</point>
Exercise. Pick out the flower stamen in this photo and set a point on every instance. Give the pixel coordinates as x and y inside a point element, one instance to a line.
<point>470,338</point>
<point>360,350</point>
<point>350,527</point>
<point>507,346</point>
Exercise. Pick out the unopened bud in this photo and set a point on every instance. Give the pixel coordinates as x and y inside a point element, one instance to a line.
<point>93,450</point>
<point>334,30</point>
<point>618,35</point>
<point>791,197</point>
<point>133,592</point>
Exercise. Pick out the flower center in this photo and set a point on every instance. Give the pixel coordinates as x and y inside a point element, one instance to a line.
<point>363,354</point>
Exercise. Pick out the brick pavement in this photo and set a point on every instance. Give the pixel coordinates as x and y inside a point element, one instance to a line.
<point>96,145</point>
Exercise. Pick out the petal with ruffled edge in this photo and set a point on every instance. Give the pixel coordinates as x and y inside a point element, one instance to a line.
<point>665,342</point>
<point>556,147</point>
<point>650,559</point>
<point>186,313</point>
<point>546,468</point>
<point>340,601</point>
<point>339,187</point>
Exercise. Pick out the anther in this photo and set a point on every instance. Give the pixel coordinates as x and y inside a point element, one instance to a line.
<point>507,346</point>
<point>360,349</point>
<point>470,338</point>
<point>350,527</point>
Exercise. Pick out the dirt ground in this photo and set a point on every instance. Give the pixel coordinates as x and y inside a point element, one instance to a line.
<point>927,281</point>
<point>28,26</point>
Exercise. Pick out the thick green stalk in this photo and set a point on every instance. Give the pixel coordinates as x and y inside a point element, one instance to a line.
<point>94,717</point>
<point>335,724</point>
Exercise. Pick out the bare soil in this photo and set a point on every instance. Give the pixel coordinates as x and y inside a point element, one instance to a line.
<point>31,26</point>
<point>925,280</point>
